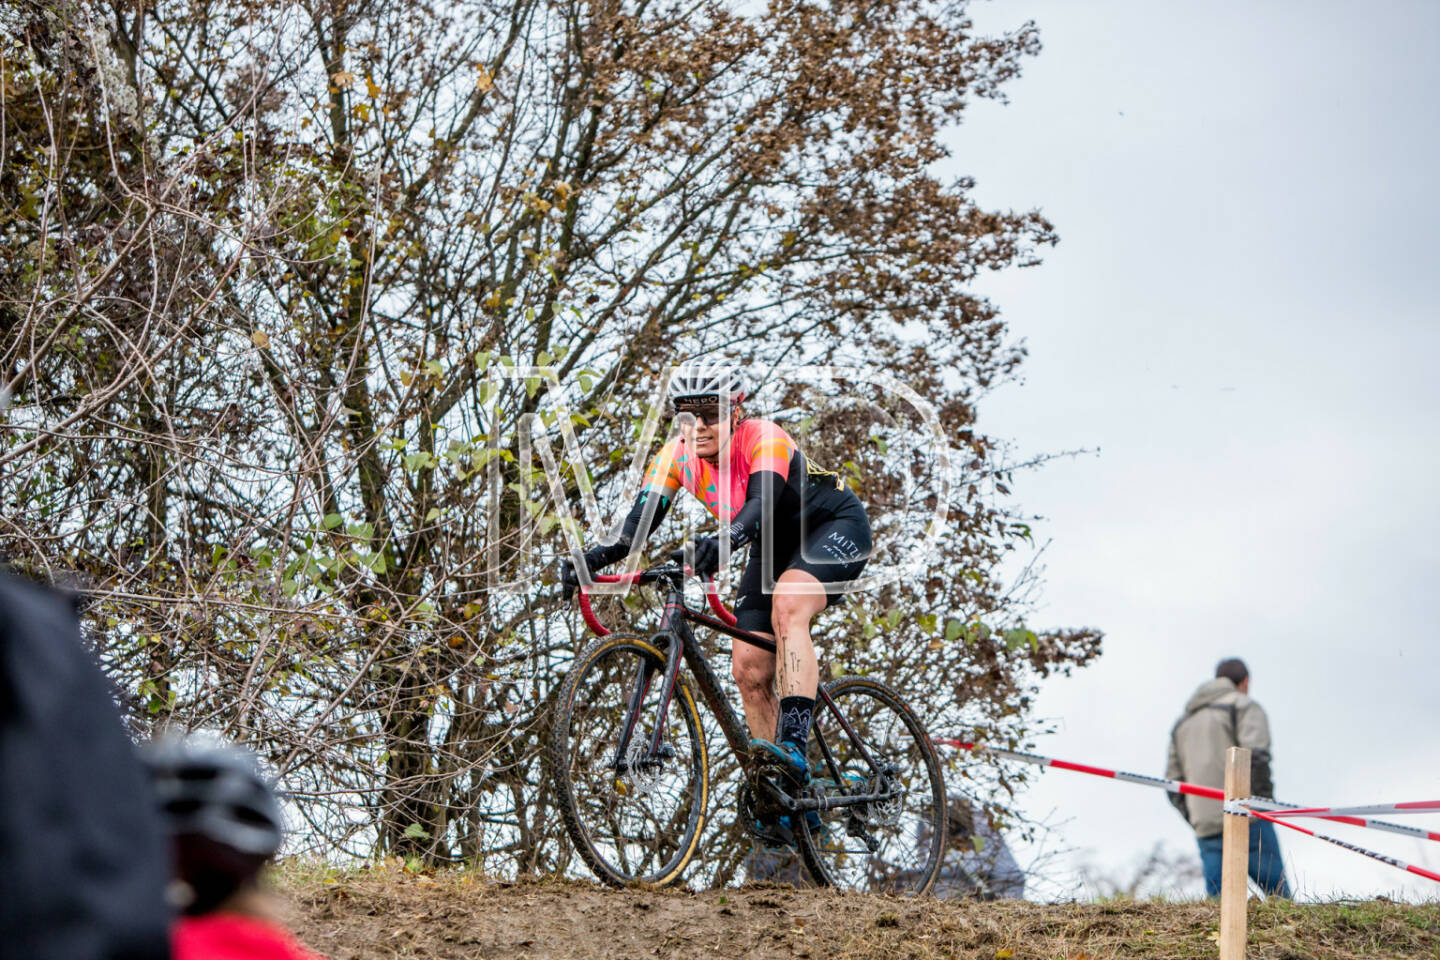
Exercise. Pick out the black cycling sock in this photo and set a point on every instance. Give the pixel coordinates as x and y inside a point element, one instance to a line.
<point>795,713</point>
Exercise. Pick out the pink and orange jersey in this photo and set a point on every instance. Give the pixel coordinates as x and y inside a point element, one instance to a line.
<point>755,445</point>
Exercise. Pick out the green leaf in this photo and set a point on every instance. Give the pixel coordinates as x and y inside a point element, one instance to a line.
<point>416,832</point>
<point>928,622</point>
<point>332,520</point>
<point>1017,637</point>
<point>953,629</point>
<point>432,514</point>
<point>978,842</point>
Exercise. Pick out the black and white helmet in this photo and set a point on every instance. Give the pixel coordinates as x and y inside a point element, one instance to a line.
<point>705,383</point>
<point>215,792</point>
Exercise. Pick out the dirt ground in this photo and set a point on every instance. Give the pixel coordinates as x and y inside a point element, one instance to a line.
<point>454,917</point>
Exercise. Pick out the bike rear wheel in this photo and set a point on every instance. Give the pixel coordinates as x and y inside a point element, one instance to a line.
<point>639,821</point>
<point>893,845</point>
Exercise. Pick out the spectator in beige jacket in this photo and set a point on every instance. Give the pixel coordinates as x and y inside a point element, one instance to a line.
<point>1220,715</point>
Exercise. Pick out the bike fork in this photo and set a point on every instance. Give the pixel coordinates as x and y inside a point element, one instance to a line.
<point>644,675</point>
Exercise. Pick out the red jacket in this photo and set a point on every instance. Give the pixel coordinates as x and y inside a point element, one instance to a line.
<point>230,936</point>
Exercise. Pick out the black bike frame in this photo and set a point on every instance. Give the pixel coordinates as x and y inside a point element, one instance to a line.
<point>679,643</point>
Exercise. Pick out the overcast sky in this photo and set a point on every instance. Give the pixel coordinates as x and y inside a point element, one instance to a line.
<point>1241,322</point>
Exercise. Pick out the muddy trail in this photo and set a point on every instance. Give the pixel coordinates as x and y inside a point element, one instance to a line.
<point>447,917</point>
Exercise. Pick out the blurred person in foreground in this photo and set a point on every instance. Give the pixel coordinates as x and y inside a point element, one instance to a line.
<point>82,851</point>
<point>1220,715</point>
<point>225,825</point>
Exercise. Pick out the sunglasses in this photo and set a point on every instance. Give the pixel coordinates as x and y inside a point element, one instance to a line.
<point>708,415</point>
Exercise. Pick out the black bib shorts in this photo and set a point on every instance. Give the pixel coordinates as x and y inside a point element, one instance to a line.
<point>828,537</point>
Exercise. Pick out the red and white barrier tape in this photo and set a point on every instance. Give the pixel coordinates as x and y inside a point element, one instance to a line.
<point>1416,806</point>
<point>1173,786</point>
<point>1277,809</point>
<point>1273,807</point>
<point>1241,808</point>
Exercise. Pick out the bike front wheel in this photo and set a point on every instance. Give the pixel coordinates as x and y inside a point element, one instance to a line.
<point>893,844</point>
<point>634,815</point>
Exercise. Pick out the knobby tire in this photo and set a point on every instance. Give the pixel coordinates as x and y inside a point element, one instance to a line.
<point>628,827</point>
<point>910,830</point>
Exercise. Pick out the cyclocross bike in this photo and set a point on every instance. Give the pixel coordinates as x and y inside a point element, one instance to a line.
<point>628,758</point>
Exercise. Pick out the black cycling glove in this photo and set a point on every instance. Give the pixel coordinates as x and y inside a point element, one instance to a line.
<point>707,556</point>
<point>595,559</point>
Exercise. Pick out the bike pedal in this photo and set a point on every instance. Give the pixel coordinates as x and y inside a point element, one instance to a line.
<point>778,773</point>
<point>773,835</point>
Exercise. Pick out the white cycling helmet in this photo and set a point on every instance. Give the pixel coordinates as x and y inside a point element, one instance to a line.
<point>697,383</point>
<point>215,792</point>
<point>222,815</point>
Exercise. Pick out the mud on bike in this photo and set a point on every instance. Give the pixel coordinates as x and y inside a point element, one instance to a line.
<point>628,758</point>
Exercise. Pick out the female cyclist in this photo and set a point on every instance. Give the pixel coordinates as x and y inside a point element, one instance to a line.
<point>808,536</point>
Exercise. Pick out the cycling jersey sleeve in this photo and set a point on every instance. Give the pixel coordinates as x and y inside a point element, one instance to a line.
<point>662,479</point>
<point>638,526</point>
<point>773,451</point>
<point>768,454</point>
<point>761,498</point>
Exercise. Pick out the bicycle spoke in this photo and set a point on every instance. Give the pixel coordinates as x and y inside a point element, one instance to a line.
<point>888,844</point>
<point>636,821</point>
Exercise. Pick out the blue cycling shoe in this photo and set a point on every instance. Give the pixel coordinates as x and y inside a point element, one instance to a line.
<point>789,758</point>
<point>775,835</point>
<point>780,835</point>
<point>848,783</point>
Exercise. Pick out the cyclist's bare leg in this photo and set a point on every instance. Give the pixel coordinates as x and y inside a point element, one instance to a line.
<point>798,598</point>
<point>754,672</point>
<point>754,669</point>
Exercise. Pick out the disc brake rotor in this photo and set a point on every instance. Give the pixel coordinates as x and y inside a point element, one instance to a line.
<point>887,812</point>
<point>642,775</point>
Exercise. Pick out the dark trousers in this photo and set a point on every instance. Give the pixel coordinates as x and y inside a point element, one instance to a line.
<point>1266,868</point>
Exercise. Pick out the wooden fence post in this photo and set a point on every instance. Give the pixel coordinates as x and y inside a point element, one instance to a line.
<point>1235,858</point>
